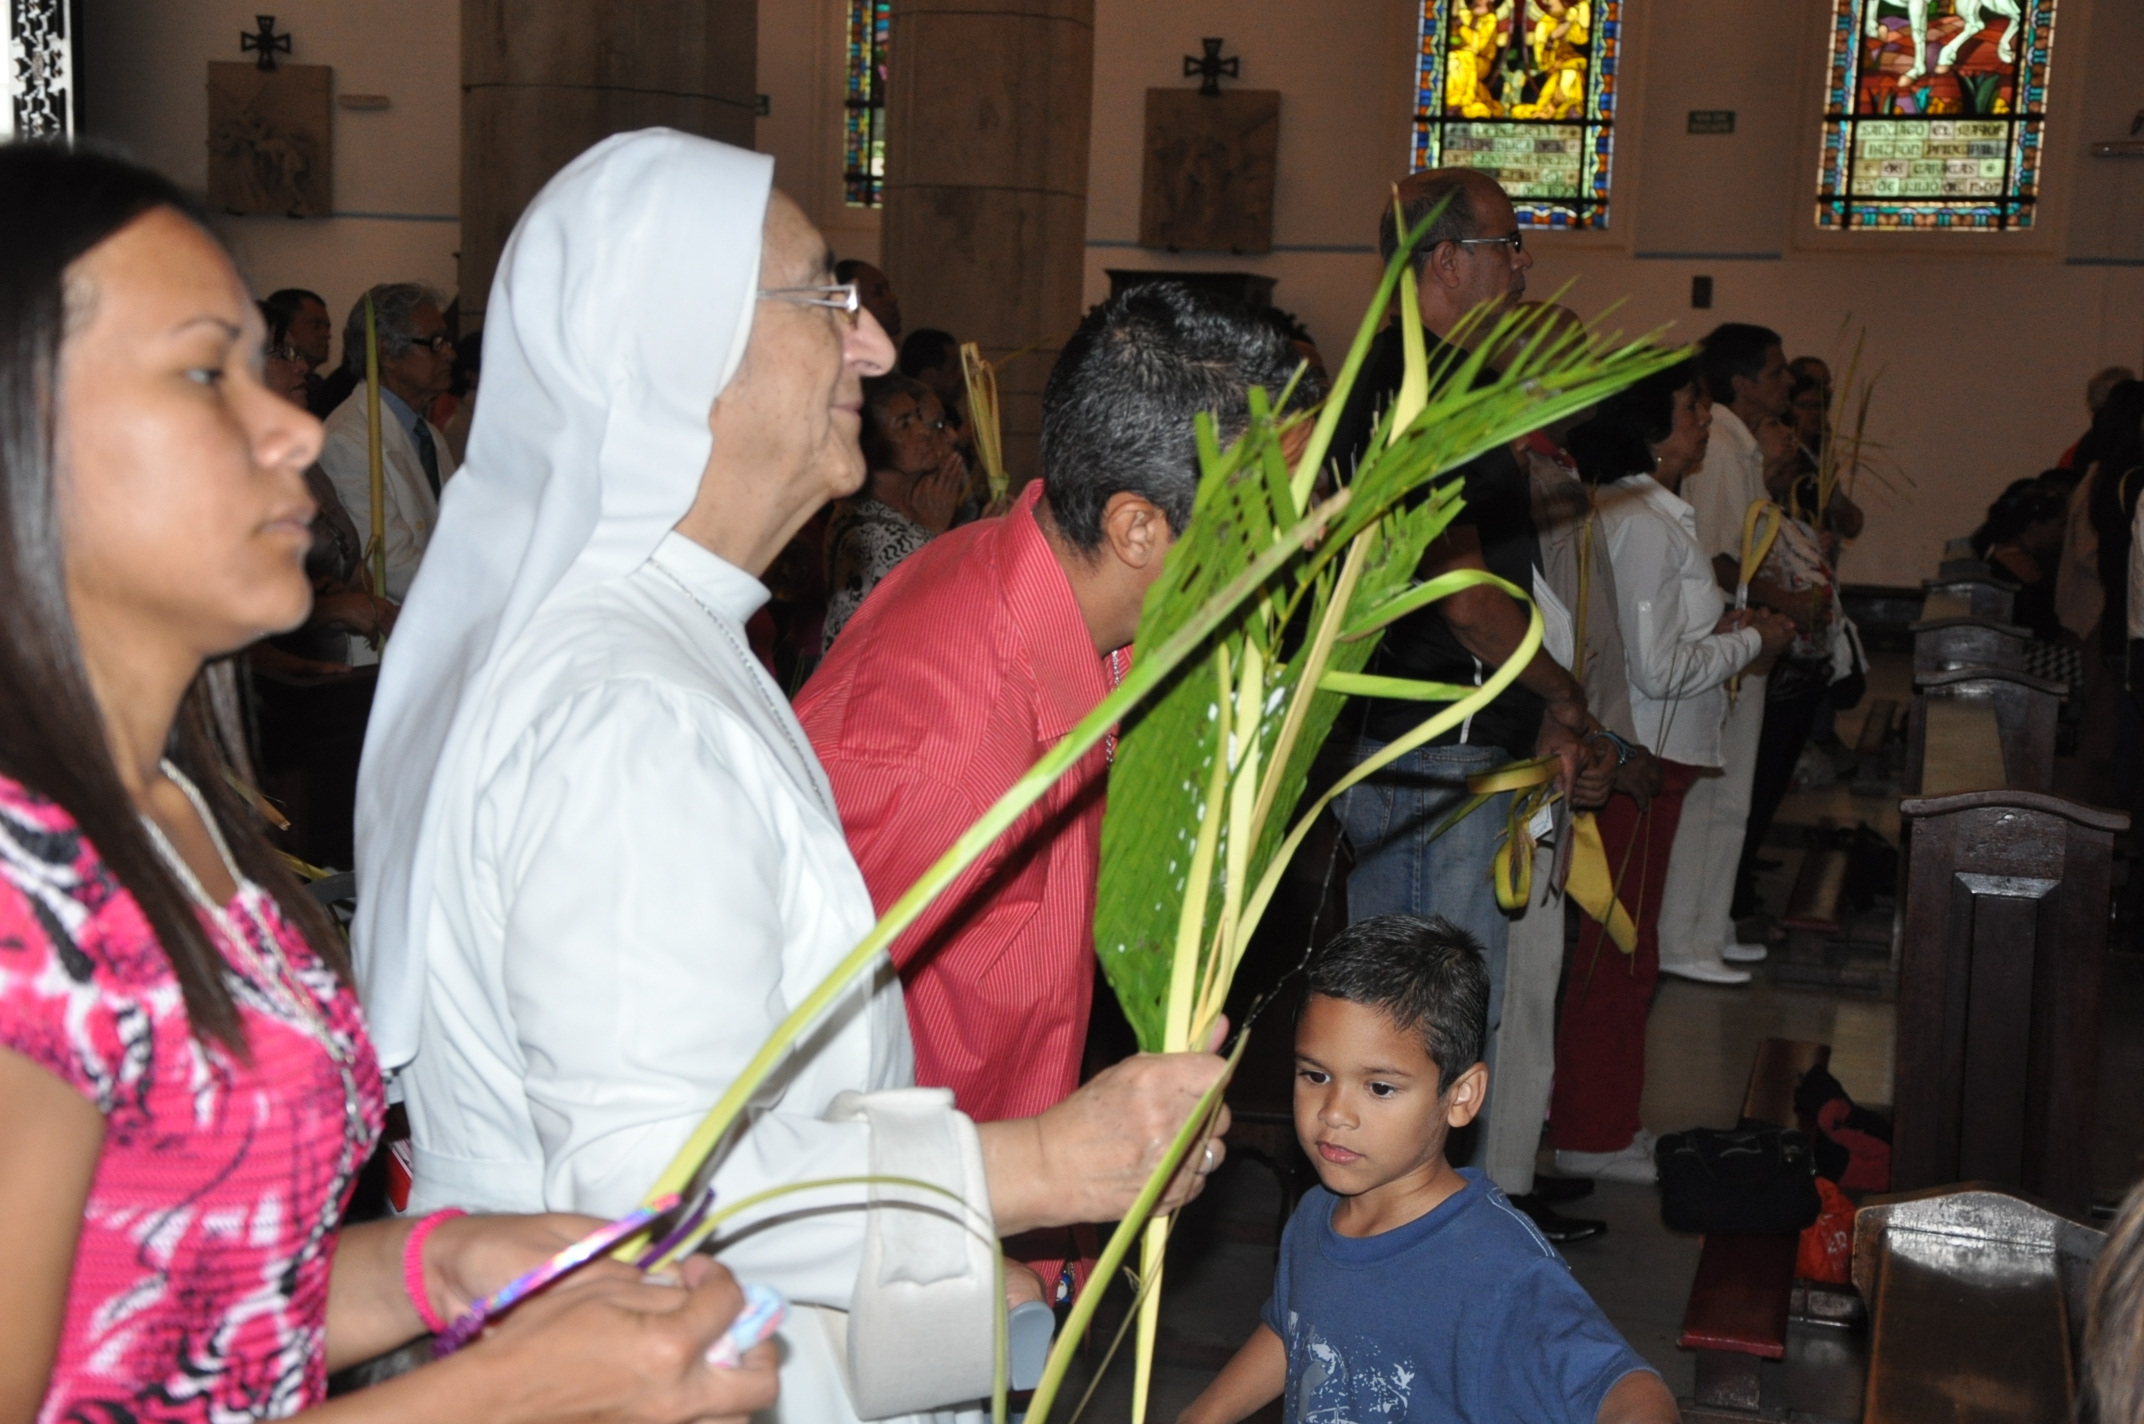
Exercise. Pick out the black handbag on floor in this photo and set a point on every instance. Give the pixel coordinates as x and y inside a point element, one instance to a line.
<point>1758,1180</point>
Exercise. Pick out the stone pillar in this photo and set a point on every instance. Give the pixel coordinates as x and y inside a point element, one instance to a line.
<point>985,223</point>
<point>542,80</point>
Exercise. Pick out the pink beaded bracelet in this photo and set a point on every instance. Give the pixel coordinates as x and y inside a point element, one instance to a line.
<point>413,1267</point>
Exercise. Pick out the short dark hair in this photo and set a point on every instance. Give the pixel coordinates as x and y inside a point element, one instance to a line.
<point>926,349</point>
<point>880,392</point>
<point>1426,975</point>
<point>1617,440</point>
<point>1732,349</point>
<point>1419,197</point>
<point>1119,408</point>
<point>280,308</point>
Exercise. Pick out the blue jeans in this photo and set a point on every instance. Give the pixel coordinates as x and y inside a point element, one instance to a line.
<point>1400,870</point>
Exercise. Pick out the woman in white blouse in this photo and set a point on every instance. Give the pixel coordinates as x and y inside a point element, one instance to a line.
<point>1681,644</point>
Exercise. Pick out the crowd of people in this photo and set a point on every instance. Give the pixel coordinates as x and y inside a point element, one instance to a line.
<point>602,851</point>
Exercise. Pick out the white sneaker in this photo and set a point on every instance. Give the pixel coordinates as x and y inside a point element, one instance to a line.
<point>1745,953</point>
<point>1703,972</point>
<point>1633,1164</point>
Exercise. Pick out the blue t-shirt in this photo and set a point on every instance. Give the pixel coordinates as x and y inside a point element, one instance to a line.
<point>1464,1314</point>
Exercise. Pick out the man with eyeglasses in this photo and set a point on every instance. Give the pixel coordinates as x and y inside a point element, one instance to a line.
<point>1472,264</point>
<point>416,367</point>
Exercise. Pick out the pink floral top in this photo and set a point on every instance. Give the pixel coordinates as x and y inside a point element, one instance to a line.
<point>200,1281</point>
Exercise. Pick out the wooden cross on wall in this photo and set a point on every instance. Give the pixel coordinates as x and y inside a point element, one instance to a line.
<point>264,41</point>
<point>1209,68</point>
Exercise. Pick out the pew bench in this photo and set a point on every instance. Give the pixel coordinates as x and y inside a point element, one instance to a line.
<point>2002,931</point>
<point>1971,596</point>
<point>1740,1300</point>
<point>1993,727</point>
<point>1975,1297</point>
<point>1823,949</point>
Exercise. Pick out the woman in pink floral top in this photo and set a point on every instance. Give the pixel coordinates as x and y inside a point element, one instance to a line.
<point>186,1086</point>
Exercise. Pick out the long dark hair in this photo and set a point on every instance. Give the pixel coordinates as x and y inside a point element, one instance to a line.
<point>1617,440</point>
<point>57,203</point>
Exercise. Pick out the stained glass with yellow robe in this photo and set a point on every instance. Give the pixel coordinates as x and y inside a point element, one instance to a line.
<point>1476,43</point>
<point>1559,42</point>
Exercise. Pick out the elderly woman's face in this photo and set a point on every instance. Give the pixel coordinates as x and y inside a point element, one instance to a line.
<point>183,507</point>
<point>795,407</point>
<point>914,433</point>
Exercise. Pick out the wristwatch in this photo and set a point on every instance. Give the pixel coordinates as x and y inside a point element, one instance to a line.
<point>1624,751</point>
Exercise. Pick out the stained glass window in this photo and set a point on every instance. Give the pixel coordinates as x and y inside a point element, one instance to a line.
<point>1525,91</point>
<point>1934,113</point>
<point>36,69</point>
<point>863,130</point>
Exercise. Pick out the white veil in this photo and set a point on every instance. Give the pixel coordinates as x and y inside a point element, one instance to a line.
<point>621,308</point>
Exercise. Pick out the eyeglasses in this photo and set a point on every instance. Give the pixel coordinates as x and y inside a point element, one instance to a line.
<point>840,297</point>
<point>282,353</point>
<point>1516,241</point>
<point>439,343</point>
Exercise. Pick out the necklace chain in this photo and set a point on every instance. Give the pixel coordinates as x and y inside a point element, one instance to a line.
<point>1116,680</point>
<point>285,992</point>
<point>752,667</point>
<point>276,975</point>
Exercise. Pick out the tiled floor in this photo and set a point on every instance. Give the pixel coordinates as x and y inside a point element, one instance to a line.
<point>1699,1045</point>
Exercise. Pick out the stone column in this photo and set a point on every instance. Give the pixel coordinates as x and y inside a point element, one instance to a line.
<point>985,222</point>
<point>542,80</point>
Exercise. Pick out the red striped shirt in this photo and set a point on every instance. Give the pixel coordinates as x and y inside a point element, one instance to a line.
<point>967,663</point>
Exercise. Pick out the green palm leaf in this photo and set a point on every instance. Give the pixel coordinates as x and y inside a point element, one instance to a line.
<point>1207,773</point>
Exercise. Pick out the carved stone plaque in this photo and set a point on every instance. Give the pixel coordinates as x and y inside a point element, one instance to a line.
<point>270,148</point>
<point>1210,161</point>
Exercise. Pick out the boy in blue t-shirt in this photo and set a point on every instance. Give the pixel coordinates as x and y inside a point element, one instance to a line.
<point>1407,1290</point>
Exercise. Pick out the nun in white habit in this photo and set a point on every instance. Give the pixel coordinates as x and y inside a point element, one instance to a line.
<point>597,859</point>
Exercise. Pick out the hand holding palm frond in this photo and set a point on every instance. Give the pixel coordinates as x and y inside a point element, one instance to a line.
<point>1197,832</point>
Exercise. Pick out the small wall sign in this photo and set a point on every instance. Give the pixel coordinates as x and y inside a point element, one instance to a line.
<point>1712,121</point>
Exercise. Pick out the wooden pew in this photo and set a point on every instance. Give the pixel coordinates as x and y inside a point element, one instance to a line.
<point>1965,622</point>
<point>1988,598</point>
<point>1946,640</point>
<point>1992,727</point>
<point>2002,935</point>
<point>1737,1314</point>
<point>1975,1301</point>
<point>1819,952</point>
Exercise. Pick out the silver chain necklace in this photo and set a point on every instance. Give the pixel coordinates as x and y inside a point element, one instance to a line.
<point>285,994</point>
<point>753,670</point>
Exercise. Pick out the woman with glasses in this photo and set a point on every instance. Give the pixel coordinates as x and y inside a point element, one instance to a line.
<point>187,1086</point>
<point>914,487</point>
<point>598,861</point>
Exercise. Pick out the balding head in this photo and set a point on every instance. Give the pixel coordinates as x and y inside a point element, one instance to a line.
<point>1464,260</point>
<point>1463,199</point>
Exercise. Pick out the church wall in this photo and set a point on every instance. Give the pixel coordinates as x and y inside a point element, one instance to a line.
<point>802,70</point>
<point>397,172</point>
<point>1984,341</point>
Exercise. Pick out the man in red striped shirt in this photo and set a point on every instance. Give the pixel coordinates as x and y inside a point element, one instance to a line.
<point>981,650</point>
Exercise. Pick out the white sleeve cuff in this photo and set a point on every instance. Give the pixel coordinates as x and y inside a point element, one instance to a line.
<point>923,1320</point>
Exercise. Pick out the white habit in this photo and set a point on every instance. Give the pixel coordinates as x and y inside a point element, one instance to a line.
<point>598,862</point>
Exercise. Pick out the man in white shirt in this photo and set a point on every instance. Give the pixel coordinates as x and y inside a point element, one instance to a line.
<point>1745,371</point>
<point>416,364</point>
